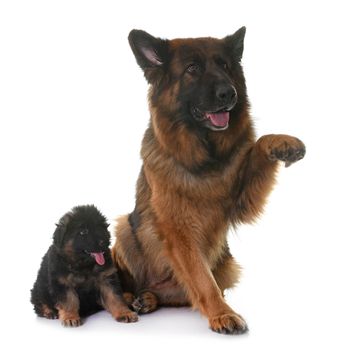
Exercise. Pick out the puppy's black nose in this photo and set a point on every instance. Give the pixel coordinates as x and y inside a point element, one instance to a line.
<point>225,93</point>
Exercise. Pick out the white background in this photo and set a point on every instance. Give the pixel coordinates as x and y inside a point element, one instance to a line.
<point>73,110</point>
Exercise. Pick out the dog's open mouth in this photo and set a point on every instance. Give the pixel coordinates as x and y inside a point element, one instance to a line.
<point>216,121</point>
<point>98,256</point>
<point>219,119</point>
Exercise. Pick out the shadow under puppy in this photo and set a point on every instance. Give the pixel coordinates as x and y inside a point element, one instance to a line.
<point>77,276</point>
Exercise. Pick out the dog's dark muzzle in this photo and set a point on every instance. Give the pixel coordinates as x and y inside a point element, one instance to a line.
<point>226,96</point>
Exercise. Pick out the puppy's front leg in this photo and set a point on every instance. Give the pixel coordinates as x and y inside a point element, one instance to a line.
<point>112,300</point>
<point>68,308</point>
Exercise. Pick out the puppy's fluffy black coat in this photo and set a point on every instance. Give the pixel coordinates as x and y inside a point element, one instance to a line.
<point>77,276</point>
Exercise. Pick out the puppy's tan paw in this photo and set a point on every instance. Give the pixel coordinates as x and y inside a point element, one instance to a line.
<point>127,317</point>
<point>47,312</point>
<point>71,322</point>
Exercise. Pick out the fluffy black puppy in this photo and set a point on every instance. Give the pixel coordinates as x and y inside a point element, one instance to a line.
<point>77,276</point>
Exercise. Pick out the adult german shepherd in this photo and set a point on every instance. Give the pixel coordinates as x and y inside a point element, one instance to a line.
<point>203,170</point>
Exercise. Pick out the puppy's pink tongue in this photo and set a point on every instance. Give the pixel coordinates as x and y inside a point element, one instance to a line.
<point>219,119</point>
<point>100,259</point>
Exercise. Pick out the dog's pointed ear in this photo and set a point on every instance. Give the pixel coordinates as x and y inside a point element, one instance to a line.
<point>235,43</point>
<point>61,229</point>
<point>151,53</point>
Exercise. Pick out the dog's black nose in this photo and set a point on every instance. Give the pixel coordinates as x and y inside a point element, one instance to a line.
<point>225,93</point>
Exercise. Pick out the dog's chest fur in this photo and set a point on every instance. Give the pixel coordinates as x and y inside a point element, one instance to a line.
<point>88,276</point>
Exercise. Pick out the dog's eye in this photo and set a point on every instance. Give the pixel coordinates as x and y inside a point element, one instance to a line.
<point>193,68</point>
<point>83,232</point>
<point>224,65</point>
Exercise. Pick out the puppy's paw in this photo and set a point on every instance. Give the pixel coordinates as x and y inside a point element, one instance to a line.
<point>47,312</point>
<point>228,324</point>
<point>127,317</point>
<point>51,315</point>
<point>69,318</point>
<point>145,303</point>
<point>285,148</point>
<point>71,322</point>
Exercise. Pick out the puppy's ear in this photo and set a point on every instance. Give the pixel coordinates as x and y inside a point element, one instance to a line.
<point>151,53</point>
<point>235,43</point>
<point>61,229</point>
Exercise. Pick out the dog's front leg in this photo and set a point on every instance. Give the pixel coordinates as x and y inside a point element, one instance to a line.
<point>257,175</point>
<point>112,299</point>
<point>194,274</point>
<point>68,307</point>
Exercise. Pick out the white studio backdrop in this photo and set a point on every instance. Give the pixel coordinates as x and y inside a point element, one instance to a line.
<point>73,109</point>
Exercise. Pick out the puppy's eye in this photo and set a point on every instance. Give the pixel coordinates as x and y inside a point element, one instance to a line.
<point>223,64</point>
<point>83,232</point>
<point>193,68</point>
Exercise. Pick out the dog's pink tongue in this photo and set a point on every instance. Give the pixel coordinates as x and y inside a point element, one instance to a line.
<point>100,259</point>
<point>219,119</point>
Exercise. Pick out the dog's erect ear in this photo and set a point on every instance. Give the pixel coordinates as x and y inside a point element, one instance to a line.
<point>235,43</point>
<point>61,229</point>
<point>150,52</point>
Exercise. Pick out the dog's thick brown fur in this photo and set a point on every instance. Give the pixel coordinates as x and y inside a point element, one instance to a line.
<point>200,175</point>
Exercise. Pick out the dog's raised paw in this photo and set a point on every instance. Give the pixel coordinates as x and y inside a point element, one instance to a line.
<point>288,154</point>
<point>285,148</point>
<point>228,324</point>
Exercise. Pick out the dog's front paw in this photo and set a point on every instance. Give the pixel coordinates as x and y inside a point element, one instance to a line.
<point>127,317</point>
<point>71,322</point>
<point>228,324</point>
<point>69,318</point>
<point>285,148</point>
<point>145,303</point>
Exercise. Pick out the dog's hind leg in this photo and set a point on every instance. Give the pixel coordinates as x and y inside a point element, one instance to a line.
<point>42,301</point>
<point>129,298</point>
<point>226,273</point>
<point>145,303</point>
<point>44,310</point>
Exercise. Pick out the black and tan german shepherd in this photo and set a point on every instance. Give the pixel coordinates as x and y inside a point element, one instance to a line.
<point>203,170</point>
<point>77,276</point>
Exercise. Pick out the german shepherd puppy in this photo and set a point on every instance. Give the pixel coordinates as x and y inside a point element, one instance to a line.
<point>203,170</point>
<point>77,276</point>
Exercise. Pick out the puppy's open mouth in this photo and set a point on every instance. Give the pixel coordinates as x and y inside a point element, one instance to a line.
<point>218,120</point>
<point>98,256</point>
